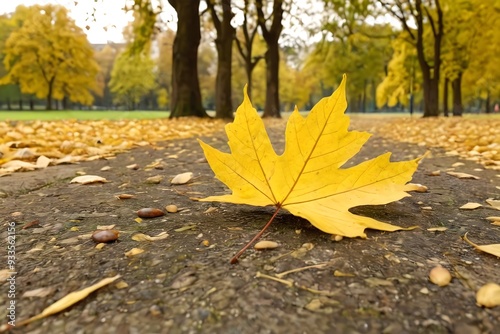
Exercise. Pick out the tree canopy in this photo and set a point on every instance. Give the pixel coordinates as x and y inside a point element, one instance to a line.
<point>405,54</point>
<point>49,56</point>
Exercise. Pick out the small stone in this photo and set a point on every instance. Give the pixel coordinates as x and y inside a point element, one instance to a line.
<point>171,208</point>
<point>440,276</point>
<point>488,295</point>
<point>336,237</point>
<point>424,291</point>
<point>133,166</point>
<point>266,245</point>
<point>154,179</point>
<point>155,310</point>
<point>182,178</point>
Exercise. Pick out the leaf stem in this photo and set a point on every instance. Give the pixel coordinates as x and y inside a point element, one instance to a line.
<point>234,259</point>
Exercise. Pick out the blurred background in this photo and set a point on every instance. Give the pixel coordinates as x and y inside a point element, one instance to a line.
<point>190,58</point>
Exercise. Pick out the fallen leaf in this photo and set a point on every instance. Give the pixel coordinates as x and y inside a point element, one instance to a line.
<point>307,179</point>
<point>438,229</point>
<point>182,178</point>
<point>493,249</point>
<point>68,300</point>
<point>415,187</point>
<point>488,295</point>
<point>374,281</point>
<point>43,161</point>
<point>134,251</point>
<point>105,227</point>
<point>41,292</point>
<point>210,210</point>
<point>88,179</point>
<point>145,237</point>
<point>185,228</point>
<point>463,175</point>
<point>495,203</point>
<point>470,206</point>
<point>125,196</point>
<point>19,165</point>
<point>493,218</point>
<point>338,273</point>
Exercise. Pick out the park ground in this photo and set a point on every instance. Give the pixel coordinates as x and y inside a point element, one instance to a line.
<point>184,283</point>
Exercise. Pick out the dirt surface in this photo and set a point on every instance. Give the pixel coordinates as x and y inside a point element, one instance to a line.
<point>185,284</point>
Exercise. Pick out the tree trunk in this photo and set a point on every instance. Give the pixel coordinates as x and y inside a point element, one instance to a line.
<point>186,95</point>
<point>272,105</point>
<point>430,71</point>
<point>9,107</point>
<point>363,100</point>
<point>21,104</point>
<point>456,86</point>
<point>271,36</point>
<point>445,96</point>
<point>246,52</point>
<point>487,103</point>
<point>32,104</point>
<point>224,44</point>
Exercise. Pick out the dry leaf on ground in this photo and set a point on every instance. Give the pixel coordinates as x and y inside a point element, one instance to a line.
<point>495,203</point>
<point>463,175</point>
<point>307,179</point>
<point>493,249</point>
<point>145,237</point>
<point>70,141</point>
<point>88,179</point>
<point>68,300</point>
<point>415,187</point>
<point>134,251</point>
<point>470,206</point>
<point>469,138</point>
<point>182,178</point>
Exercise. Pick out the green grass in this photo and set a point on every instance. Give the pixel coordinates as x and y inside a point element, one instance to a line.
<point>80,115</point>
<point>117,115</point>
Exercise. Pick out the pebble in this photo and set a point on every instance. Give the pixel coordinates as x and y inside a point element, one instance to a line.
<point>266,245</point>
<point>155,310</point>
<point>171,208</point>
<point>440,276</point>
<point>154,179</point>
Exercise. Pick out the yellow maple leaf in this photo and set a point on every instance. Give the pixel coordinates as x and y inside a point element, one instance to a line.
<point>307,179</point>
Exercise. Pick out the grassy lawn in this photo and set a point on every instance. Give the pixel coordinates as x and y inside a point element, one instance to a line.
<point>80,115</point>
<point>117,115</point>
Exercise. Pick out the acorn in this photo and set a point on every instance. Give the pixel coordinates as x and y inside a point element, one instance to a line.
<point>150,213</point>
<point>100,236</point>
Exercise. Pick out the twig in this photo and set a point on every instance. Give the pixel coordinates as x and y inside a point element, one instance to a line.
<point>318,266</point>
<point>283,281</point>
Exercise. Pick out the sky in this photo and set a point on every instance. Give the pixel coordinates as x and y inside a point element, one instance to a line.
<point>110,18</point>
